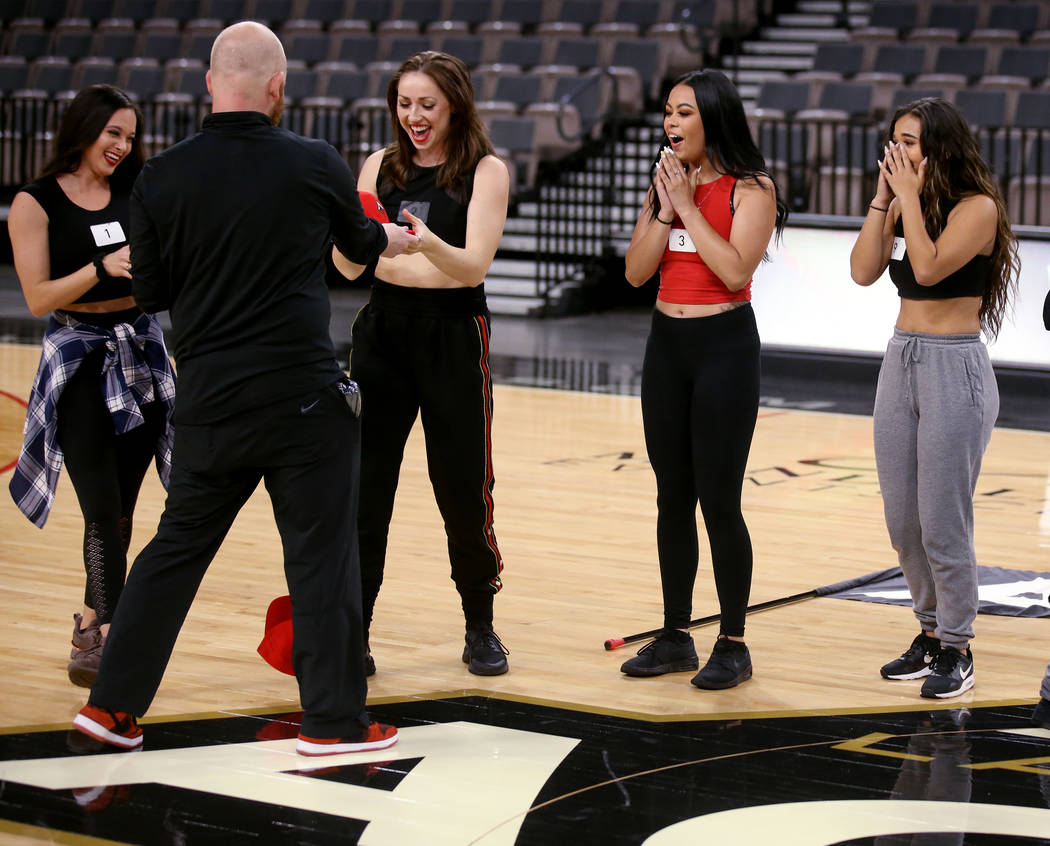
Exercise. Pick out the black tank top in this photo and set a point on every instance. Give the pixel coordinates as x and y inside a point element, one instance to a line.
<point>970,280</point>
<point>76,236</point>
<point>444,213</point>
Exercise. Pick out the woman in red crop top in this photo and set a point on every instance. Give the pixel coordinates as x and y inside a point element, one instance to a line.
<point>68,233</point>
<point>707,220</point>
<point>938,222</point>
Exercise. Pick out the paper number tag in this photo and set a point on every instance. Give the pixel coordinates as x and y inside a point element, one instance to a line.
<point>108,233</point>
<point>680,242</point>
<point>899,249</point>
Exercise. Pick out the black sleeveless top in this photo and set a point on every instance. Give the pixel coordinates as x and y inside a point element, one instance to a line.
<point>444,213</point>
<point>76,236</point>
<point>970,280</point>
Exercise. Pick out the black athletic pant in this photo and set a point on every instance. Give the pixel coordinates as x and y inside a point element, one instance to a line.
<point>305,450</point>
<point>699,407</point>
<point>425,351</point>
<point>106,470</point>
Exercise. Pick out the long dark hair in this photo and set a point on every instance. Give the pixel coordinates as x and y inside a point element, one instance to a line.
<point>730,146</point>
<point>955,170</point>
<point>467,144</point>
<point>82,123</point>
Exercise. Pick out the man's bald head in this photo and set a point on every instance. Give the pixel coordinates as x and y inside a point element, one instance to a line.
<point>244,60</point>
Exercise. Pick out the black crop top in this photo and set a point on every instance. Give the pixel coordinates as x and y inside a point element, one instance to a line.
<point>439,209</point>
<point>970,280</point>
<point>76,236</point>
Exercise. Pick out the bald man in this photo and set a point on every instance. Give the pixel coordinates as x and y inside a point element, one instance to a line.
<point>229,230</point>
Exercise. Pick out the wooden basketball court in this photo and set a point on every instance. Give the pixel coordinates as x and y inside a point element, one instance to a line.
<point>575,518</point>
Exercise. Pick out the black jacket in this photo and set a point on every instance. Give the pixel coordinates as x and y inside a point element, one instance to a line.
<point>229,231</point>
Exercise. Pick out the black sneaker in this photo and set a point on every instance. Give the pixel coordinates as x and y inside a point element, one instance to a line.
<point>484,653</point>
<point>951,674</point>
<point>915,663</point>
<point>671,652</point>
<point>1041,714</point>
<point>729,664</point>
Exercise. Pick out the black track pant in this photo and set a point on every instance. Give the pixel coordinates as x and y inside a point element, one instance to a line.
<point>305,450</point>
<point>699,407</point>
<point>106,470</point>
<point>424,351</point>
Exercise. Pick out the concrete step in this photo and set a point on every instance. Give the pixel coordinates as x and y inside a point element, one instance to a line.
<point>784,63</point>
<point>747,76</point>
<point>779,48</point>
<point>508,287</point>
<point>512,268</point>
<point>519,225</point>
<point>518,243</point>
<point>809,20</point>
<point>777,35</point>
<point>834,7</point>
<point>514,306</point>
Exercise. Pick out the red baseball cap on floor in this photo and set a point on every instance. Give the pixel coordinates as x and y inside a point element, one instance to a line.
<point>276,646</point>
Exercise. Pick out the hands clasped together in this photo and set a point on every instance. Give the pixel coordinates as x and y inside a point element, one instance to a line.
<point>401,240</point>
<point>675,183</point>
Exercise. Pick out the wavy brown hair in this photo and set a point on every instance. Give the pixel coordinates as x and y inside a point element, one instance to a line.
<point>82,123</point>
<point>954,171</point>
<point>467,142</point>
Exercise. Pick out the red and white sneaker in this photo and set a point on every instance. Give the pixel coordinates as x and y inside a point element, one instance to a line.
<point>376,736</point>
<point>113,727</point>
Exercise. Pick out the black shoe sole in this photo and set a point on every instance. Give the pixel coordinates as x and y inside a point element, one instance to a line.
<point>488,670</point>
<point>479,669</point>
<point>662,669</point>
<point>733,682</point>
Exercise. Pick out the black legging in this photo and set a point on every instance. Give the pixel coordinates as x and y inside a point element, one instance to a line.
<point>106,470</point>
<point>699,406</point>
<point>425,351</point>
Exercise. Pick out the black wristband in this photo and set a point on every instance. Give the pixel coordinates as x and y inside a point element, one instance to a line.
<point>878,208</point>
<point>665,222</point>
<point>100,268</point>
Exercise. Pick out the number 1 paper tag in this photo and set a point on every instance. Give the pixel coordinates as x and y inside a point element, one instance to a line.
<point>108,233</point>
<point>680,242</point>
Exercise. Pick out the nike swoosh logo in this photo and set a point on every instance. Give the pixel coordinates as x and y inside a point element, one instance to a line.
<point>305,408</point>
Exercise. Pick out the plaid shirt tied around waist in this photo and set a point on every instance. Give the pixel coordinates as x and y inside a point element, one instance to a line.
<point>136,371</point>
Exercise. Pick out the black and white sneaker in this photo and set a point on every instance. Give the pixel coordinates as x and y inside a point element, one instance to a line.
<point>915,663</point>
<point>950,674</point>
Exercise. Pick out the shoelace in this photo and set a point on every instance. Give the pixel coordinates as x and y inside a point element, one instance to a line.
<point>654,643</point>
<point>945,662</point>
<point>492,640</point>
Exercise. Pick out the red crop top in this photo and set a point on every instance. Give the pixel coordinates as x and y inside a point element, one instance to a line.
<point>685,278</point>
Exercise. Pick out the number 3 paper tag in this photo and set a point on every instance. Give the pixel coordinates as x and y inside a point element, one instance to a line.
<point>899,249</point>
<point>680,242</point>
<point>108,233</point>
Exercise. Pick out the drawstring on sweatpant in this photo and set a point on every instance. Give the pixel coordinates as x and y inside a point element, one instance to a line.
<point>911,352</point>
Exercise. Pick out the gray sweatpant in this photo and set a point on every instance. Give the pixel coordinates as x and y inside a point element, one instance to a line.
<point>935,407</point>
